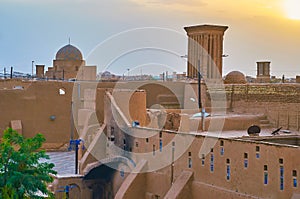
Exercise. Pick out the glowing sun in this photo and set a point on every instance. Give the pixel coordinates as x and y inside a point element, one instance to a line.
<point>292,8</point>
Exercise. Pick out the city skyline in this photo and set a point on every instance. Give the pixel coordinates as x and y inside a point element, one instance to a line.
<point>258,31</point>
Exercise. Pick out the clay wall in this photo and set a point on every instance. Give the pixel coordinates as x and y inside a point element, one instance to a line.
<point>250,180</point>
<point>38,100</point>
<point>67,65</point>
<point>40,108</point>
<point>243,183</point>
<point>164,94</point>
<point>11,83</point>
<point>280,102</point>
<point>211,178</point>
<point>132,104</point>
<point>77,189</point>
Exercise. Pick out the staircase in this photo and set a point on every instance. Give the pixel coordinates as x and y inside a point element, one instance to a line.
<point>264,122</point>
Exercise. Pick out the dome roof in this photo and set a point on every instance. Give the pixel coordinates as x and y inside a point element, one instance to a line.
<point>235,77</point>
<point>68,52</point>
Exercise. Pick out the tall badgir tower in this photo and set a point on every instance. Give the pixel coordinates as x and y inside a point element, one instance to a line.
<point>205,49</point>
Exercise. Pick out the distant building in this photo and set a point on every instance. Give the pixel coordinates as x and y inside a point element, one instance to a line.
<point>40,71</point>
<point>250,79</point>
<point>235,77</point>
<point>178,76</point>
<point>107,76</point>
<point>69,64</point>
<point>263,72</point>
<point>147,140</point>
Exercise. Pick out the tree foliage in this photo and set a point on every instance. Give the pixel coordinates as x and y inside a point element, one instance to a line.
<point>22,173</point>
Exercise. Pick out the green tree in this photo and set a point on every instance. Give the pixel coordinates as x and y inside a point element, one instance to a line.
<point>22,174</point>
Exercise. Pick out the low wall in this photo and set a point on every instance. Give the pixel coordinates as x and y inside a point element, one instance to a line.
<point>280,102</point>
<point>40,108</point>
<point>203,190</point>
<point>134,185</point>
<point>180,189</point>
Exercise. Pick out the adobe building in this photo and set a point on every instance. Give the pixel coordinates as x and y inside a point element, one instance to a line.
<point>69,64</point>
<point>235,77</point>
<point>235,166</point>
<point>205,44</point>
<point>40,71</point>
<point>297,79</point>
<point>263,72</point>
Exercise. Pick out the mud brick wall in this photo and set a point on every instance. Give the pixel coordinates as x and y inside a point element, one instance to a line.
<point>280,102</point>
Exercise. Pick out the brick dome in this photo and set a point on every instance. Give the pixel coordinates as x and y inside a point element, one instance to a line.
<point>235,77</point>
<point>68,53</point>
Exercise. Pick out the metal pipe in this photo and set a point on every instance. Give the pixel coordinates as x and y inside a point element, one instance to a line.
<point>76,157</point>
<point>199,86</point>
<point>32,69</point>
<point>11,72</point>
<point>72,122</point>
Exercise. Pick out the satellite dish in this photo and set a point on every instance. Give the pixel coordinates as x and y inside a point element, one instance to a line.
<point>253,130</point>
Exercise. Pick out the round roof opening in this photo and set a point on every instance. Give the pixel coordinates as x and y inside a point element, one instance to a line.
<point>253,130</point>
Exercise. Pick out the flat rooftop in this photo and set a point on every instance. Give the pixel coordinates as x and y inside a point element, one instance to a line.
<point>243,133</point>
<point>64,162</point>
<point>284,137</point>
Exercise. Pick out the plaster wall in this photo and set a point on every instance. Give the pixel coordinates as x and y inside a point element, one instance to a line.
<point>35,105</point>
<point>164,93</point>
<point>210,169</point>
<point>34,102</point>
<point>68,65</point>
<point>78,190</point>
<point>243,183</point>
<point>132,104</point>
<point>39,100</point>
<point>279,102</point>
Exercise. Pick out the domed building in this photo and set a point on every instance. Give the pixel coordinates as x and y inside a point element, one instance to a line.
<point>69,52</point>
<point>235,77</point>
<point>69,64</point>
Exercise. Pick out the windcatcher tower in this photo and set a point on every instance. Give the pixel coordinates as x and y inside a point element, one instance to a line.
<point>205,44</point>
<point>263,72</point>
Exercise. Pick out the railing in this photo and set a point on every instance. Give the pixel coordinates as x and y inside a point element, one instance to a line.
<point>288,119</point>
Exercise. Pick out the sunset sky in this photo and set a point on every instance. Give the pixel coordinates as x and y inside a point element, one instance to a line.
<point>258,30</point>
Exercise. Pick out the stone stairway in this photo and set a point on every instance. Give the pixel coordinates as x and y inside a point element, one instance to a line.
<point>264,122</point>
